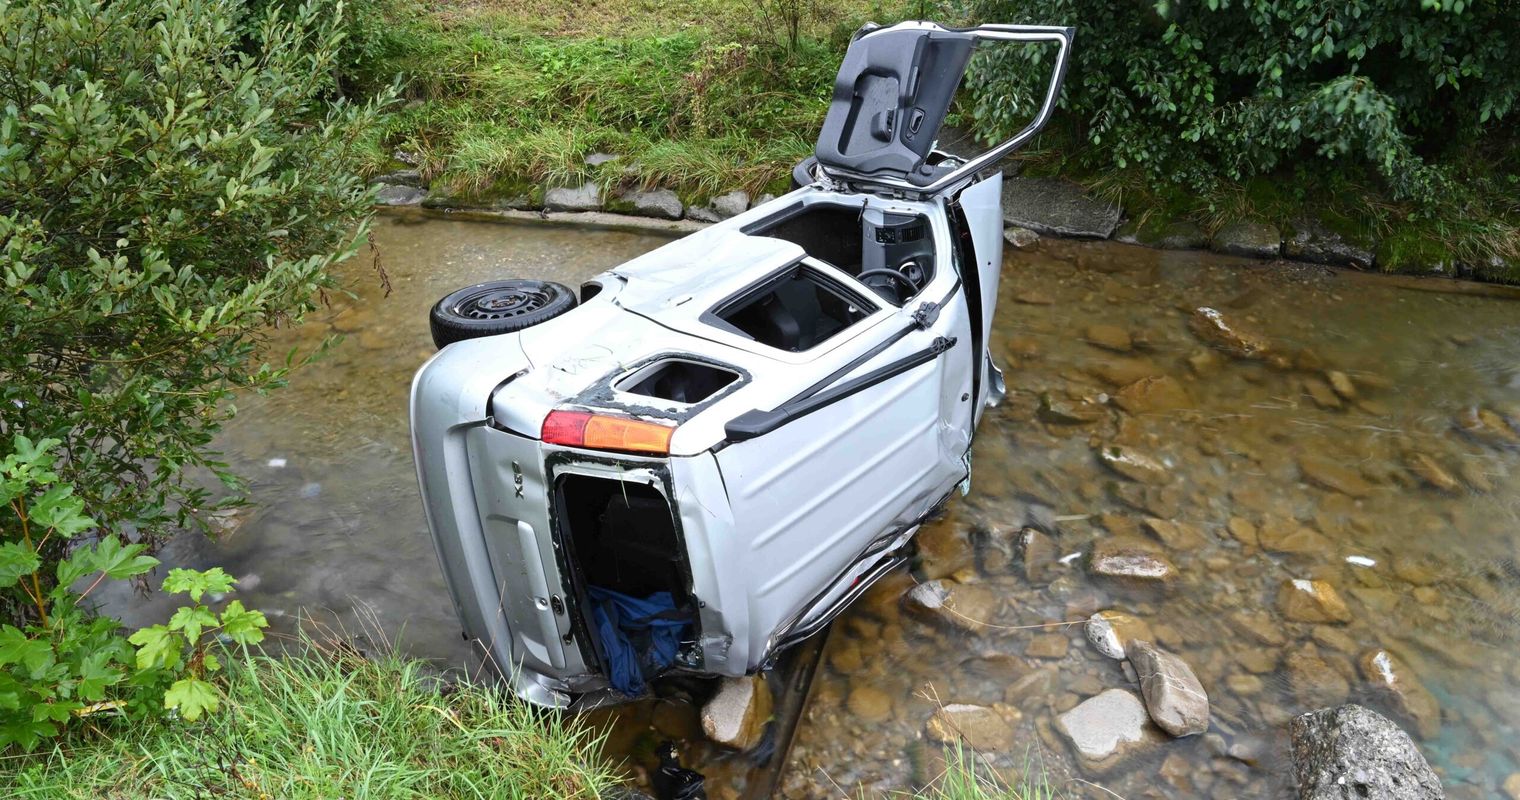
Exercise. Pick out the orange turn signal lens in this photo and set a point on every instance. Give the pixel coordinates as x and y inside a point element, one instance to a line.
<point>596,432</point>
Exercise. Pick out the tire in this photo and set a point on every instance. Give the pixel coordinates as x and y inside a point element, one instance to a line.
<point>496,307</point>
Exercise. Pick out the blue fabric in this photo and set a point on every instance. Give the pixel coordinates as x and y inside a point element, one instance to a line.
<point>639,635</point>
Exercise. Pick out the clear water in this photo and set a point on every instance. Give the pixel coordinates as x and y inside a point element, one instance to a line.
<point>337,534</point>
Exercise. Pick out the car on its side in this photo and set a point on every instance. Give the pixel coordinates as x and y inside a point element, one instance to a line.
<point>706,453</point>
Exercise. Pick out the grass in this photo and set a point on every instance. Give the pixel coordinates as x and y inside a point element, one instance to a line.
<point>324,724</point>
<point>701,97</point>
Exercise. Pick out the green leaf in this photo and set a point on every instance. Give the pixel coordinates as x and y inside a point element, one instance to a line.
<point>197,583</point>
<point>191,619</point>
<point>58,509</point>
<point>121,561</point>
<point>16,648</point>
<point>156,647</point>
<point>96,673</point>
<point>17,559</point>
<point>191,697</point>
<point>243,626</point>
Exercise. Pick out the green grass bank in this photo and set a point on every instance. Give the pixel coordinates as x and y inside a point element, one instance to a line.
<point>702,97</point>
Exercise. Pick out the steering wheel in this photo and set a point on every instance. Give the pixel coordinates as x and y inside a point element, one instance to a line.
<point>882,288</point>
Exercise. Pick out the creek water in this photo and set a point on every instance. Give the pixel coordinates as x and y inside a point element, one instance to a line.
<point>1358,438</point>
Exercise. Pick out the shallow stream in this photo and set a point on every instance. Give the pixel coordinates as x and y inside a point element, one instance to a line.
<point>1358,440</point>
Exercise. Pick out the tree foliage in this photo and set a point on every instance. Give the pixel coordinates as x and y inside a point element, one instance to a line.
<point>175,176</point>
<point>1191,92</point>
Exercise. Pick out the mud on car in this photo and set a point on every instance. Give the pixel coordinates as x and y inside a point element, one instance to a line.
<point>706,453</point>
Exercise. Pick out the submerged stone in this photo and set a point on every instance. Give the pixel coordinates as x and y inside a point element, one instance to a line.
<point>982,728</point>
<point>1152,394</point>
<point>1109,337</point>
<point>1397,683</point>
<point>1133,464</point>
<point>1127,558</point>
<point>1487,427</point>
<point>1315,682</point>
<point>869,703</point>
<point>1334,476</point>
<point>1302,600</point>
<point>1429,471</point>
<point>1173,696</point>
<point>1038,554</point>
<point>1213,328</point>
<point>965,606</point>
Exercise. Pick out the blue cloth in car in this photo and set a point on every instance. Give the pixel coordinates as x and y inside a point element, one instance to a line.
<point>639,635</point>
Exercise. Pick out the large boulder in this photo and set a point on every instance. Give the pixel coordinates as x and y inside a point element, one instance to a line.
<point>1057,207</point>
<point>658,203</point>
<point>735,717</point>
<point>1350,753</point>
<point>1174,698</point>
<point>399,195</point>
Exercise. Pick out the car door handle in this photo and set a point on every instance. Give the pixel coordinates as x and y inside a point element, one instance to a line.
<point>755,422</point>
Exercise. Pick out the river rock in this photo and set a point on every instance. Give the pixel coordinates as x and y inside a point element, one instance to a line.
<point>1110,632</point>
<point>982,728</point>
<point>400,195</point>
<point>735,717</point>
<point>1120,371</point>
<point>1213,328</point>
<point>1176,235</point>
<point>1107,729</point>
<point>1057,207</point>
<point>1341,383</point>
<point>1332,475</point>
<point>1302,600</point>
<point>1259,626</point>
<point>1310,241</point>
<point>968,607</point>
<point>1173,696</point>
<point>1288,535</point>
<point>1314,680</point>
<point>1322,394</point>
<point>869,704</point>
<point>1487,427</point>
<point>1109,337</point>
<point>1019,238</point>
<point>1038,554</point>
<point>1397,683</point>
<point>1512,786</point>
<point>401,177</point>
<point>1247,238</point>
<point>1153,394</point>
<point>701,214</point>
<point>730,204</point>
<point>586,197</point>
<point>1056,411</point>
<point>1047,645</point>
<point>1176,535</point>
<point>1243,531</point>
<point>657,203</point>
<point>1133,464</point>
<point>1431,472</point>
<point>1131,559</point>
<point>1352,752</point>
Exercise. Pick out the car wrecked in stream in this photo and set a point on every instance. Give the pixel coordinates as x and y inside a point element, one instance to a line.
<point>707,454</point>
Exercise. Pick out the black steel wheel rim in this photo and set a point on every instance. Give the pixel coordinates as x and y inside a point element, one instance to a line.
<point>501,303</point>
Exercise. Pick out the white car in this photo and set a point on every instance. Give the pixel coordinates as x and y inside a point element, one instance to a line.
<point>707,454</point>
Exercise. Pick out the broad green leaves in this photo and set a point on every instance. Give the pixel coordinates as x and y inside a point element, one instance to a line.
<point>196,584</point>
<point>191,697</point>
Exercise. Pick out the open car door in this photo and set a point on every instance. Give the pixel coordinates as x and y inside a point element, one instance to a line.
<point>891,96</point>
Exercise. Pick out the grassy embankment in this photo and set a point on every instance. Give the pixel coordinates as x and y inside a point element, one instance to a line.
<point>711,95</point>
<point>701,96</point>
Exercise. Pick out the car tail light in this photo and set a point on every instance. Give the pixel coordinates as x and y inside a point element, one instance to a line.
<point>597,432</point>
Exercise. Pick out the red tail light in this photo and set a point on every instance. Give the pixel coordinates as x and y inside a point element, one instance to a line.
<point>597,432</point>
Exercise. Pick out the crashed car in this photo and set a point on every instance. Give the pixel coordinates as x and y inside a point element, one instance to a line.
<point>706,453</point>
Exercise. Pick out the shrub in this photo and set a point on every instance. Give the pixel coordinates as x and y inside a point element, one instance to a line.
<point>69,664</point>
<point>173,180</point>
<point>1194,92</point>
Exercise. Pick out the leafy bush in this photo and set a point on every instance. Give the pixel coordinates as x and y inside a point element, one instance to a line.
<point>69,663</point>
<point>173,181</point>
<point>1194,92</point>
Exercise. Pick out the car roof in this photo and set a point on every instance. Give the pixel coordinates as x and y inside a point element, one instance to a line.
<point>696,272</point>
